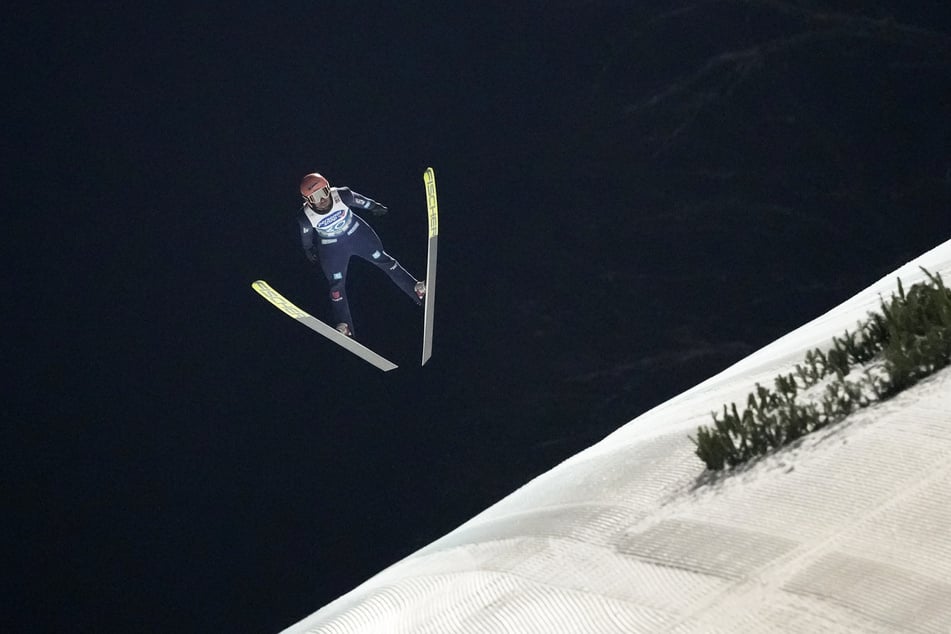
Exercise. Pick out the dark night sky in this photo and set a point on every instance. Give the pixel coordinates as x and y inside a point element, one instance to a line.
<point>631,200</point>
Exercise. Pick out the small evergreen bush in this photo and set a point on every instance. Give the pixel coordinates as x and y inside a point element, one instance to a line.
<point>907,341</point>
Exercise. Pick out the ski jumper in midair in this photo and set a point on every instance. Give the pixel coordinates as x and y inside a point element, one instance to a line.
<point>332,233</point>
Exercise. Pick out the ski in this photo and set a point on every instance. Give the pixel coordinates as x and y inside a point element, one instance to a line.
<point>289,308</point>
<point>429,178</point>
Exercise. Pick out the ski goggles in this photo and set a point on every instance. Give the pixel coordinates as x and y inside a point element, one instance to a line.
<point>317,197</point>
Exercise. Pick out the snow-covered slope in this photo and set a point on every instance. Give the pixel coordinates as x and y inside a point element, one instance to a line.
<point>849,530</point>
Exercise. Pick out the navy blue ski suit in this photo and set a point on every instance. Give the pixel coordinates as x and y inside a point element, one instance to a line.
<point>334,235</point>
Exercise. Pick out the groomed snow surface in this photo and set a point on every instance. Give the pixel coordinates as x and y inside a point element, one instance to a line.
<point>847,531</point>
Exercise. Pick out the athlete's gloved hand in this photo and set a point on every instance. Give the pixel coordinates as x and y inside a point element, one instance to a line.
<point>379,210</point>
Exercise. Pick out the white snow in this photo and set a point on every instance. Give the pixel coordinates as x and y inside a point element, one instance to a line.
<point>848,530</point>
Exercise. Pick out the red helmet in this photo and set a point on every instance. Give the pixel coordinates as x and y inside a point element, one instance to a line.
<point>311,183</point>
<point>316,191</point>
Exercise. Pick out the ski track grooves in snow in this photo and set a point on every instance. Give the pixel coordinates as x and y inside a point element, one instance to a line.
<point>847,529</point>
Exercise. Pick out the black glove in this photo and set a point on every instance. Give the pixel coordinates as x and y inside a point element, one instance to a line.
<point>379,210</point>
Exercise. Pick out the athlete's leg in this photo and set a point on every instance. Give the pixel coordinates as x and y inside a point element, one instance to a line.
<point>369,247</point>
<point>334,260</point>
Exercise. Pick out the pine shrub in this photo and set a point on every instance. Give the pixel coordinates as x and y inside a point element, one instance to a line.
<point>909,339</point>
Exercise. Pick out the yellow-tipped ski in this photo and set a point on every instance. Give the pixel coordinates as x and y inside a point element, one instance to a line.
<point>429,178</point>
<point>289,308</point>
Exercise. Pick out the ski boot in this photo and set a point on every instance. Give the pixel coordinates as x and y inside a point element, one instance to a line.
<point>344,329</point>
<point>420,289</point>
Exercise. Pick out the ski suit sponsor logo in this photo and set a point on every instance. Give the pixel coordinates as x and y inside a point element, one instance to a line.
<point>333,223</point>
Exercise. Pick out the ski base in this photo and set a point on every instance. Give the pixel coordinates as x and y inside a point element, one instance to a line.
<point>266,291</point>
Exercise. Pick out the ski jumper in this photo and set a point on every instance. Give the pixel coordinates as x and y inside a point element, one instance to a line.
<point>334,235</point>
